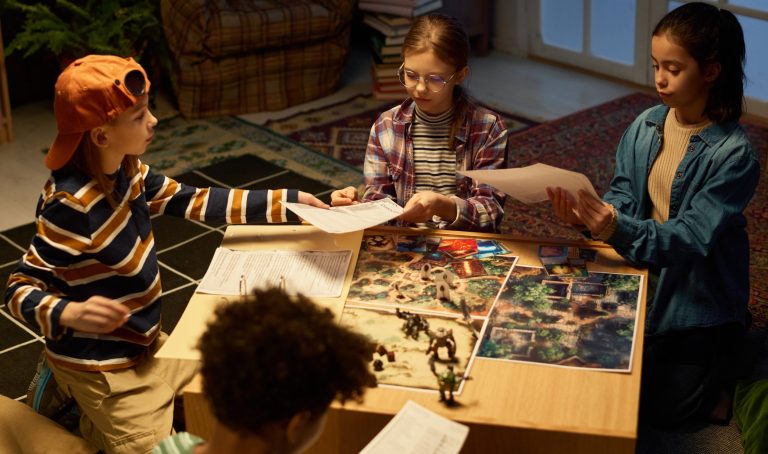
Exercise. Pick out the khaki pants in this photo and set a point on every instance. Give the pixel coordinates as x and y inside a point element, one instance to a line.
<point>127,410</point>
<point>22,431</point>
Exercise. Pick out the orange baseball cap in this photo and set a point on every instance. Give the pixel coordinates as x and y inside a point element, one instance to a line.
<point>90,92</point>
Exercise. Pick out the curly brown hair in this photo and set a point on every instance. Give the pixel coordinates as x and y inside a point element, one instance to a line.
<point>272,356</point>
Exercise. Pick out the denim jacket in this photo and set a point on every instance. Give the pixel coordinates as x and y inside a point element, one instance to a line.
<point>701,253</point>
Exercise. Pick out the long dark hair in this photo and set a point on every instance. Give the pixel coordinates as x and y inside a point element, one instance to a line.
<point>445,36</point>
<point>712,35</point>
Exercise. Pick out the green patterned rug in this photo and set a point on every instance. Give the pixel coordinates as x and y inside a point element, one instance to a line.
<point>181,145</point>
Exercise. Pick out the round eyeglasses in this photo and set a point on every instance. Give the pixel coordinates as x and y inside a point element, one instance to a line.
<point>134,82</point>
<point>434,82</point>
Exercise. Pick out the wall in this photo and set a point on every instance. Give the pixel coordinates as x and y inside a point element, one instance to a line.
<point>509,27</point>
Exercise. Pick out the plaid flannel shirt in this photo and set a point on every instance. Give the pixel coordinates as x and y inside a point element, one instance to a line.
<point>480,143</point>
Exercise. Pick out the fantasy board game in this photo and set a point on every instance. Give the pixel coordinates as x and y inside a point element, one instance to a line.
<point>424,300</point>
<point>430,302</point>
<point>564,321</point>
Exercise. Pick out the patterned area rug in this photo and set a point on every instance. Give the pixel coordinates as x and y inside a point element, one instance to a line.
<point>586,142</point>
<point>341,130</point>
<point>181,145</point>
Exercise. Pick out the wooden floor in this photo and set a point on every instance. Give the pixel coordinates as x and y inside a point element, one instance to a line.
<point>529,88</point>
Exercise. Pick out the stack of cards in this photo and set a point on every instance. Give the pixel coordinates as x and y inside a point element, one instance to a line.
<point>565,261</point>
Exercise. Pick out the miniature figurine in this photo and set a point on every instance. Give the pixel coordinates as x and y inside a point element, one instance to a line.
<point>464,309</point>
<point>441,338</point>
<point>413,324</point>
<point>441,274</point>
<point>447,381</point>
<point>425,272</point>
<point>443,291</point>
<point>467,317</point>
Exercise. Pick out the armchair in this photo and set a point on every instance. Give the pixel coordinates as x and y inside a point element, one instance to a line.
<point>238,56</point>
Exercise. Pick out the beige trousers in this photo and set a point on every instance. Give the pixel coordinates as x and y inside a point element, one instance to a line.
<point>127,410</point>
<point>23,431</point>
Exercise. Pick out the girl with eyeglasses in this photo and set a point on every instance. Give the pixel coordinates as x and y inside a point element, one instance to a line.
<point>90,281</point>
<point>685,172</point>
<point>417,149</point>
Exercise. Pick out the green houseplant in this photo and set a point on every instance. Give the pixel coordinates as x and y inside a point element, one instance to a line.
<point>68,31</point>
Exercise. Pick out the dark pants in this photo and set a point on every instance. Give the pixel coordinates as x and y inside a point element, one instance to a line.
<point>685,372</point>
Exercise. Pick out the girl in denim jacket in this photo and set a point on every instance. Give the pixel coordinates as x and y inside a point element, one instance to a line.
<point>685,172</point>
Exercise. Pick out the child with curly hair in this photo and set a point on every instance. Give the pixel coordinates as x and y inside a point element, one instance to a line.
<point>271,367</point>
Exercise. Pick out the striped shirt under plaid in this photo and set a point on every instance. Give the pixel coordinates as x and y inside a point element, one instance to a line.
<point>480,143</point>
<point>84,247</point>
<point>434,163</point>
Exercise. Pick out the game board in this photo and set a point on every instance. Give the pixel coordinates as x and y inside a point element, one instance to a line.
<point>406,288</point>
<point>404,358</point>
<point>574,322</point>
<point>430,274</point>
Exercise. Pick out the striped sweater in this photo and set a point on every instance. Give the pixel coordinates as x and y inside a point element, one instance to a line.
<point>434,162</point>
<point>84,247</point>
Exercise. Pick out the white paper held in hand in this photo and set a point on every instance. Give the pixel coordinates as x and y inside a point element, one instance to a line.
<point>347,218</point>
<point>529,184</point>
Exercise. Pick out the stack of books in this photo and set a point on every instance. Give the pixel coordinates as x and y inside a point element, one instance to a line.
<point>389,22</point>
<point>403,8</point>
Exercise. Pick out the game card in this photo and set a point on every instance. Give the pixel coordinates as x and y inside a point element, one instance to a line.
<point>458,248</point>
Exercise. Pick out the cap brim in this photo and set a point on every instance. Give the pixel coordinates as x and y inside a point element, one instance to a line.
<point>62,149</point>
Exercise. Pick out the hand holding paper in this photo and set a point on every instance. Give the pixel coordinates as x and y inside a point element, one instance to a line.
<point>529,184</point>
<point>564,206</point>
<point>347,218</point>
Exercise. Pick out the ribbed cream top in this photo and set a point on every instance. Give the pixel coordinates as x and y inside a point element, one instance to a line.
<point>677,137</point>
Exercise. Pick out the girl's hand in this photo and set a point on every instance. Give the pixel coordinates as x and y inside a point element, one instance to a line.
<point>97,314</point>
<point>343,197</point>
<point>563,205</point>
<point>308,199</point>
<point>423,205</point>
<point>595,213</point>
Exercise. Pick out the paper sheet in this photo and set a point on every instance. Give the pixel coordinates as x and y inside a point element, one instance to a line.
<point>313,273</point>
<point>529,184</point>
<point>415,429</point>
<point>348,218</point>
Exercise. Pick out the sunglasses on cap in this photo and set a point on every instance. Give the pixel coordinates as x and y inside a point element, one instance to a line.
<point>134,82</point>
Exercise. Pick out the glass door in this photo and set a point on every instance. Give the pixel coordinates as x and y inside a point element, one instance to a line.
<point>604,36</point>
<point>612,37</point>
<point>753,17</point>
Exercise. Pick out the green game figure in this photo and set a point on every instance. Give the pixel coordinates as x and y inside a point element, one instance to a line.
<point>448,382</point>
